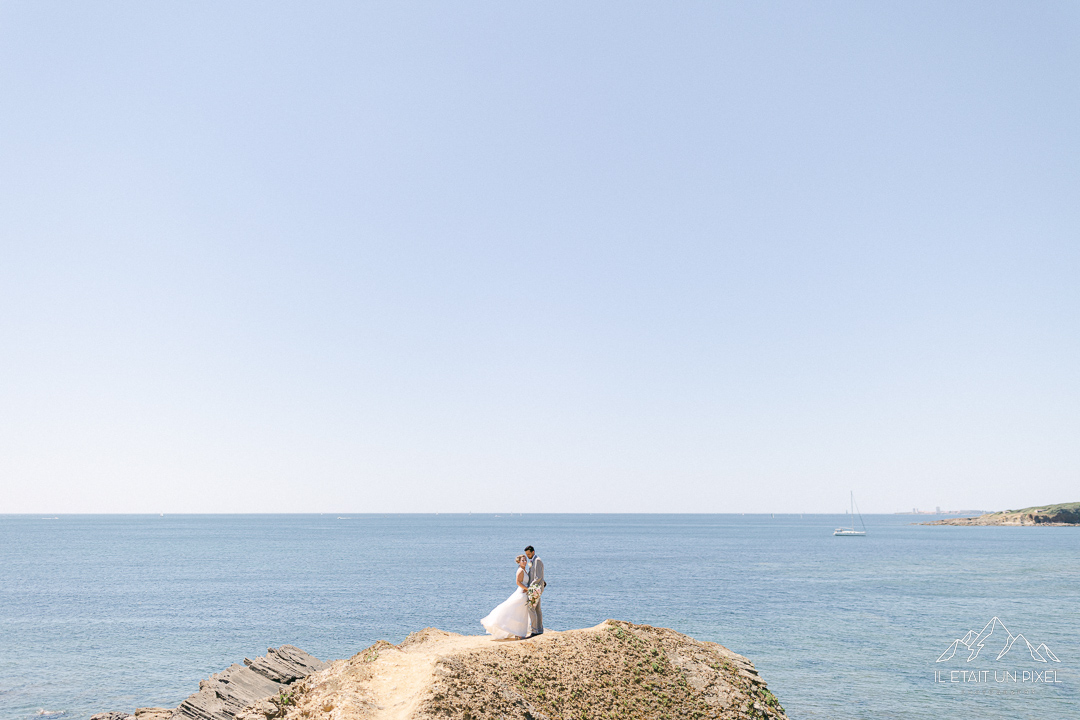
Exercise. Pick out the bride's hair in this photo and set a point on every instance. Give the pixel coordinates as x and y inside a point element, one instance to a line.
<point>519,558</point>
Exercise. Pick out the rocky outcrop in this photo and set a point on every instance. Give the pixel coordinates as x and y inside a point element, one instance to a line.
<point>615,669</point>
<point>154,713</point>
<point>1065,514</point>
<point>224,694</point>
<point>146,713</point>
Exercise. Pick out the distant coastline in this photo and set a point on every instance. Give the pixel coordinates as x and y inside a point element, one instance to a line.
<point>1065,514</point>
<point>939,511</point>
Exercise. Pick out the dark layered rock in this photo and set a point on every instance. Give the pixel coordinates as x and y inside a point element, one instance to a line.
<point>223,695</point>
<point>285,664</point>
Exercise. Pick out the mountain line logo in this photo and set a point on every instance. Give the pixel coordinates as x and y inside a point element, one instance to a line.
<point>995,635</point>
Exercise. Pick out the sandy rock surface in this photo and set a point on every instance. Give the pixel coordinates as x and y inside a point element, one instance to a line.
<point>154,713</point>
<point>613,670</point>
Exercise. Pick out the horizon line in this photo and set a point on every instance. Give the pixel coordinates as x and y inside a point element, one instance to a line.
<point>463,512</point>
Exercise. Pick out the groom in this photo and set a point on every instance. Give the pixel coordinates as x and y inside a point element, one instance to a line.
<point>534,573</point>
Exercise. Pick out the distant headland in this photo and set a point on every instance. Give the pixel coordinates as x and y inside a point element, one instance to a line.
<point>1064,514</point>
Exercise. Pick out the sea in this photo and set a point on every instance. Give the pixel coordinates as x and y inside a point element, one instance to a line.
<point>115,612</point>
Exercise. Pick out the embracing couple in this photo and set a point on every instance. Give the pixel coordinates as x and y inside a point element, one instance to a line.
<point>519,616</point>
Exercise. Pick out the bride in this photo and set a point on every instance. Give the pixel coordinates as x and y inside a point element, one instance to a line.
<point>510,619</point>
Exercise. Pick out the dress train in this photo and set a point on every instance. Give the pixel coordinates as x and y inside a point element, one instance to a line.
<point>510,618</point>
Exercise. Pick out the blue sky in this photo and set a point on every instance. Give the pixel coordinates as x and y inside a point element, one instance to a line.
<point>549,257</point>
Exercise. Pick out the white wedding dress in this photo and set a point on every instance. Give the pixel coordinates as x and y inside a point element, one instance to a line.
<point>510,618</point>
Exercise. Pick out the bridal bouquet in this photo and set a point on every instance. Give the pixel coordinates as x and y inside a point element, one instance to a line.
<point>534,593</point>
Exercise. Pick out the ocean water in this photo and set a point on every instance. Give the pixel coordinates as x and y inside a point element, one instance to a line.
<point>116,612</point>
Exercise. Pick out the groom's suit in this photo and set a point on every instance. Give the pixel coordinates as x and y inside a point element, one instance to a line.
<point>534,572</point>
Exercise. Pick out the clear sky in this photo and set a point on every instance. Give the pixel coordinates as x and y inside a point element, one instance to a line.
<point>517,256</point>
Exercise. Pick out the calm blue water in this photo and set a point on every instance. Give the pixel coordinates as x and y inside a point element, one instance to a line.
<point>117,612</point>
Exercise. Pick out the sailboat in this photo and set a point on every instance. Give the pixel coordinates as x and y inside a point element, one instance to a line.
<point>851,531</point>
